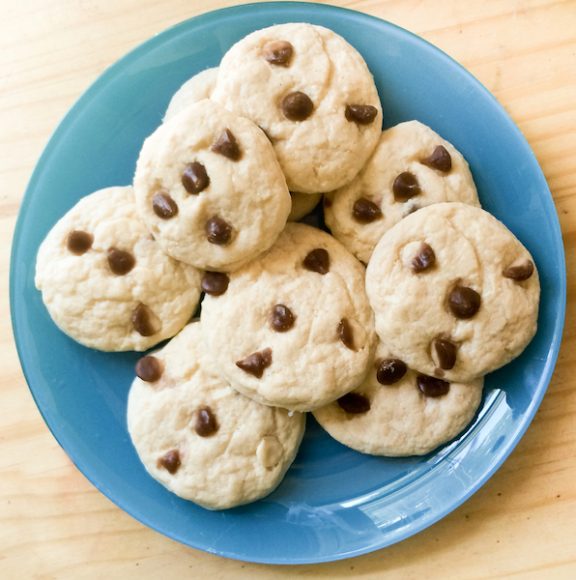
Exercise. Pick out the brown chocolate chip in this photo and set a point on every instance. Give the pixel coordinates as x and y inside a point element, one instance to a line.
<point>317,260</point>
<point>390,371</point>
<point>445,353</point>
<point>144,321</point>
<point>327,202</point>
<point>206,423</point>
<point>218,231</point>
<point>215,283</point>
<point>278,52</point>
<point>297,106</point>
<point>405,186</point>
<point>361,114</point>
<point>354,403</point>
<point>432,386</point>
<point>164,206</point>
<point>439,159</point>
<point>149,369</point>
<point>345,334</point>
<point>170,461</point>
<point>424,259</point>
<point>120,261</point>
<point>255,363</point>
<point>194,178</point>
<point>365,211</point>
<point>281,318</point>
<point>519,272</point>
<point>463,301</point>
<point>227,145</point>
<point>79,242</point>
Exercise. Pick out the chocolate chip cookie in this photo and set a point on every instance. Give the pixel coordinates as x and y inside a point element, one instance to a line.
<point>292,329</point>
<point>455,294</point>
<point>198,437</point>
<point>412,167</point>
<point>107,283</point>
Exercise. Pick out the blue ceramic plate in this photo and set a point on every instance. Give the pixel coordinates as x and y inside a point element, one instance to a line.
<point>334,503</point>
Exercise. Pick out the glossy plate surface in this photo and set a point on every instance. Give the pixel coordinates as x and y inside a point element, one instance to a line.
<point>334,503</point>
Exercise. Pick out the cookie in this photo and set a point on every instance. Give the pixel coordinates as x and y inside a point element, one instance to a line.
<point>397,412</point>
<point>303,204</point>
<point>198,88</point>
<point>201,439</point>
<point>455,294</point>
<point>313,95</point>
<point>209,188</point>
<point>106,283</point>
<point>292,329</point>
<point>412,167</point>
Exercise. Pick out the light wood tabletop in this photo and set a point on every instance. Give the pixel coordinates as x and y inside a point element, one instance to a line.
<point>522,523</point>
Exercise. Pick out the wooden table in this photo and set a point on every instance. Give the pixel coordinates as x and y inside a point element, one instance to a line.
<point>54,524</point>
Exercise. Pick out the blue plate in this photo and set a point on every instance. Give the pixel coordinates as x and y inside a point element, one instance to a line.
<point>334,503</point>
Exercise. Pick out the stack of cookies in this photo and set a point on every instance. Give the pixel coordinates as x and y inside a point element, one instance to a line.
<point>383,331</point>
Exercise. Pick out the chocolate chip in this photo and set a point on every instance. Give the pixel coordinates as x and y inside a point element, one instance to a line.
<point>215,283</point>
<point>120,261</point>
<point>361,114</point>
<point>405,186</point>
<point>170,461</point>
<point>149,369</point>
<point>194,178</point>
<point>144,321</point>
<point>327,202</point>
<point>463,301</point>
<point>432,386</point>
<point>445,353</point>
<point>365,211</point>
<point>354,403</point>
<point>317,260</point>
<point>281,318</point>
<point>297,106</point>
<point>218,231</point>
<point>255,363</point>
<point>390,371</point>
<point>227,145</point>
<point>519,272</point>
<point>79,242</point>
<point>424,259</point>
<point>345,334</point>
<point>439,159</point>
<point>164,206</point>
<point>278,52</point>
<point>206,423</point>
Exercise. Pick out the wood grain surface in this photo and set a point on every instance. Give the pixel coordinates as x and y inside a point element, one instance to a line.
<point>522,523</point>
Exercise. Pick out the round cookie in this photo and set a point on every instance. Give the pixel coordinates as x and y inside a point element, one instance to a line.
<point>107,283</point>
<point>454,293</point>
<point>397,412</point>
<point>314,96</point>
<point>412,167</point>
<point>209,188</point>
<point>294,328</point>
<point>302,204</point>
<point>195,89</point>
<point>199,438</point>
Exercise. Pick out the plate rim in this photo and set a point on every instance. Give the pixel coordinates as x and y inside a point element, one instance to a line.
<point>108,74</point>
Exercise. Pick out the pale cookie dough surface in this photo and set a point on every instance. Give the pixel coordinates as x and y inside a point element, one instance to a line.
<point>325,150</point>
<point>402,148</point>
<point>303,204</point>
<point>401,419</point>
<point>195,89</point>
<point>242,453</point>
<point>91,303</point>
<point>307,365</point>
<point>249,194</point>
<point>472,250</point>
